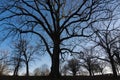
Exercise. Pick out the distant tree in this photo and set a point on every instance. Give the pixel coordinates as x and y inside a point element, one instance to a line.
<point>16,62</point>
<point>64,70</point>
<point>41,71</point>
<point>97,68</point>
<point>106,36</point>
<point>16,58</point>
<point>101,66</point>
<point>44,70</point>
<point>4,69</point>
<point>73,66</point>
<point>53,21</point>
<point>4,63</point>
<point>37,72</point>
<point>89,60</point>
<point>24,53</point>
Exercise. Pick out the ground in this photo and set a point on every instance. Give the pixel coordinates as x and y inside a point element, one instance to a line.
<point>61,78</point>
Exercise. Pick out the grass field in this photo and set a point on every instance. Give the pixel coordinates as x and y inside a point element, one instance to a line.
<point>61,78</point>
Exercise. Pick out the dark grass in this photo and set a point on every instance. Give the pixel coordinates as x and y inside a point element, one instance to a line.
<point>61,78</point>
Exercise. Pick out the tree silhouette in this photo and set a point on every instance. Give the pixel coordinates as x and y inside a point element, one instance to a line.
<point>41,71</point>
<point>24,53</point>
<point>73,65</point>
<point>17,63</point>
<point>4,64</point>
<point>89,60</point>
<point>106,37</point>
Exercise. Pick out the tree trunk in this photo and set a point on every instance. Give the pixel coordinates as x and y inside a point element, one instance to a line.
<point>27,69</point>
<point>16,68</point>
<point>26,62</point>
<point>55,67</point>
<point>90,72</point>
<point>112,63</point>
<point>74,73</point>
<point>89,69</point>
<point>113,66</point>
<point>55,59</point>
<point>15,71</point>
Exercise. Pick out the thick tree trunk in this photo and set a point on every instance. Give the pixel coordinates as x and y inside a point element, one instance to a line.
<point>55,59</point>
<point>55,67</point>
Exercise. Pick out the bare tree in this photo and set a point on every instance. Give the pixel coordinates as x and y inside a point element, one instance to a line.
<point>28,52</point>
<point>4,69</point>
<point>89,60</point>
<point>101,66</point>
<point>73,66</point>
<point>25,53</point>
<point>4,65</point>
<point>106,37</point>
<point>53,21</point>
<point>98,67</point>
<point>16,58</point>
<point>16,62</point>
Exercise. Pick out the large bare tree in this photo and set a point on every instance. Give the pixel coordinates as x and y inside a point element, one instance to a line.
<point>53,21</point>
